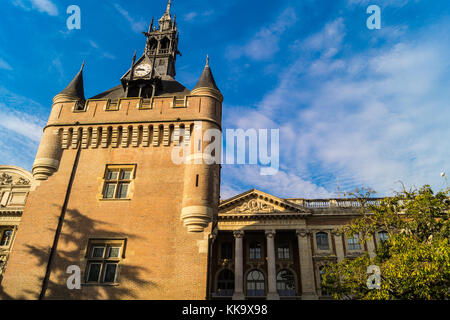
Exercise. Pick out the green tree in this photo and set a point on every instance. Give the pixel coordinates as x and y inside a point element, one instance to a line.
<point>414,261</point>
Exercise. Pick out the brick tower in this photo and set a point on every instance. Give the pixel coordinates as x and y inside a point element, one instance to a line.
<point>108,196</point>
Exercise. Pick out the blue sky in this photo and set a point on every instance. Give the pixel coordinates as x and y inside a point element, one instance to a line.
<point>355,107</point>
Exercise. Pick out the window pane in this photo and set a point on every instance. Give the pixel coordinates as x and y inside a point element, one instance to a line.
<point>112,175</point>
<point>322,241</point>
<point>353,243</point>
<point>123,191</point>
<point>6,238</point>
<point>94,272</point>
<point>97,252</point>
<point>114,252</point>
<point>126,175</point>
<point>383,236</point>
<point>109,190</point>
<point>283,251</point>
<point>110,272</point>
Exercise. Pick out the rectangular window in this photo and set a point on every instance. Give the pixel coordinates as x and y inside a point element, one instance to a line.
<point>353,243</point>
<point>104,257</point>
<point>117,181</point>
<point>283,251</point>
<point>255,251</point>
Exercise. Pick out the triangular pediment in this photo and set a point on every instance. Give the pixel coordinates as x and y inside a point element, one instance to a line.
<point>258,202</point>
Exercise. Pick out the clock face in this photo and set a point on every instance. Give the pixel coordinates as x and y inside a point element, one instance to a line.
<point>143,70</point>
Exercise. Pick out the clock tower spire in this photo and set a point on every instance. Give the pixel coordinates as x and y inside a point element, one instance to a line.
<point>158,60</point>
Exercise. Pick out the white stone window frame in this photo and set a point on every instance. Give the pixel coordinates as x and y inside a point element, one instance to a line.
<point>330,244</point>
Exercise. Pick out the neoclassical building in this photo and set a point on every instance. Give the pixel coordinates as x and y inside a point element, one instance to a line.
<point>108,200</point>
<point>15,184</point>
<point>266,247</point>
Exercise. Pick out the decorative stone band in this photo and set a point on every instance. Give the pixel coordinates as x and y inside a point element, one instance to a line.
<point>62,98</point>
<point>196,218</point>
<point>44,168</point>
<point>209,92</point>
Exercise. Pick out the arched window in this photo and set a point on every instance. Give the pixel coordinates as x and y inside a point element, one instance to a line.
<point>255,284</point>
<point>383,236</point>
<point>322,241</point>
<point>286,283</point>
<point>255,251</point>
<point>225,283</point>
<point>353,243</point>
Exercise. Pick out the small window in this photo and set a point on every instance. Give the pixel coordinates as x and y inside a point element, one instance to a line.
<point>6,236</point>
<point>322,241</point>
<point>104,257</point>
<point>117,182</point>
<point>284,251</point>
<point>255,251</point>
<point>353,243</point>
<point>226,250</point>
<point>383,236</point>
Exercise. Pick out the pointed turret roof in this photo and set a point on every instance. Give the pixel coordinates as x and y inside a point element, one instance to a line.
<point>207,78</point>
<point>75,88</point>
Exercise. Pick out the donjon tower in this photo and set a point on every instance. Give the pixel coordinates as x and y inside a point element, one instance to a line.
<point>108,198</point>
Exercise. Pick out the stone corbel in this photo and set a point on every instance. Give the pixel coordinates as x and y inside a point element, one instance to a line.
<point>303,232</point>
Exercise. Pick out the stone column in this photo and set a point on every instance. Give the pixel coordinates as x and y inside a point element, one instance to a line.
<point>272,293</point>
<point>238,266</point>
<point>306,265</point>
<point>339,246</point>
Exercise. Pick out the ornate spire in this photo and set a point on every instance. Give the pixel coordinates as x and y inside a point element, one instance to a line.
<point>168,7</point>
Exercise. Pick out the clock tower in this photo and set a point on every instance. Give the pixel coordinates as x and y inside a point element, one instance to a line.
<point>108,196</point>
<point>157,62</point>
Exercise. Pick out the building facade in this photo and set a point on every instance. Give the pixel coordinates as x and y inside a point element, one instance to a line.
<point>106,197</point>
<point>15,183</point>
<point>266,247</point>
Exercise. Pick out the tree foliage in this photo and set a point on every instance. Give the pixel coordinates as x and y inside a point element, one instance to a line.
<point>414,261</point>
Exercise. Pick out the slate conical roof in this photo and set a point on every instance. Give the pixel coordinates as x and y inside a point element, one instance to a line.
<point>75,88</point>
<point>207,79</point>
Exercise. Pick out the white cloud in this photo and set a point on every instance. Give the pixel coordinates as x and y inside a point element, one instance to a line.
<point>45,6</point>
<point>21,124</point>
<point>265,43</point>
<point>368,119</point>
<point>5,65</point>
<point>283,184</point>
<point>136,26</point>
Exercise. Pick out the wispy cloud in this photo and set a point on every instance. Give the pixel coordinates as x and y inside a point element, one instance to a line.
<point>136,25</point>
<point>193,15</point>
<point>370,118</point>
<point>45,6</point>
<point>20,128</point>
<point>5,65</point>
<point>265,43</point>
